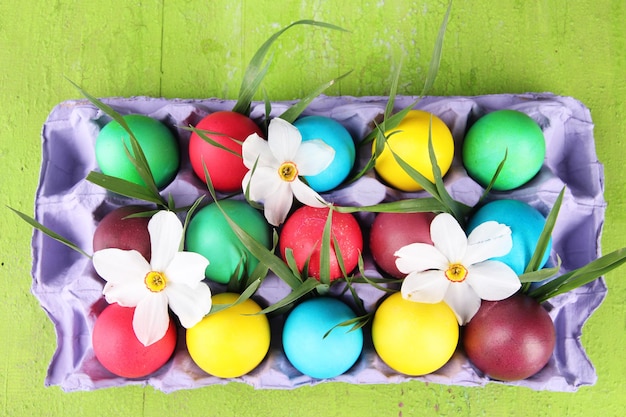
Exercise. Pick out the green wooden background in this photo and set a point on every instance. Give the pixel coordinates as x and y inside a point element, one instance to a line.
<point>194,48</point>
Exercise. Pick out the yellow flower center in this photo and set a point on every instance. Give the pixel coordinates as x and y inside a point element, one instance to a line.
<point>456,273</point>
<point>155,281</point>
<point>288,171</point>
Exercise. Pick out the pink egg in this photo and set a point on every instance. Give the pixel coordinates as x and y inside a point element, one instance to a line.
<point>117,348</point>
<point>303,231</point>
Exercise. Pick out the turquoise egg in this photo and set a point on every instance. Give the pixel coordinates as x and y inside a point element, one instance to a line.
<point>209,234</point>
<point>157,142</point>
<point>335,135</point>
<point>306,347</point>
<point>499,133</point>
<point>526,225</point>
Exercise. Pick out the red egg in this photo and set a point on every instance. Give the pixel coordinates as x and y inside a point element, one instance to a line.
<point>225,168</point>
<point>511,339</point>
<point>116,231</point>
<point>303,231</point>
<point>117,348</point>
<point>392,231</point>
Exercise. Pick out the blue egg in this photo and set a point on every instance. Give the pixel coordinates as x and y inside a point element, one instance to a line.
<point>305,345</point>
<point>526,225</point>
<point>336,136</point>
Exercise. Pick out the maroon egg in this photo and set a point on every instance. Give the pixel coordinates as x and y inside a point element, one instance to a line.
<point>117,231</point>
<point>511,339</point>
<point>303,231</point>
<point>392,231</point>
<point>117,348</point>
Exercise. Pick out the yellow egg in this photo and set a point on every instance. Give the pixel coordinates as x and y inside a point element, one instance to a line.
<point>414,338</point>
<point>409,141</point>
<point>231,342</point>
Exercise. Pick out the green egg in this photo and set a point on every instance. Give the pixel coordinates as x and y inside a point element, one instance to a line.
<point>504,132</point>
<point>209,234</point>
<point>157,143</point>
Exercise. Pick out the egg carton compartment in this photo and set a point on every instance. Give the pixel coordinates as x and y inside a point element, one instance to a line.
<point>70,292</point>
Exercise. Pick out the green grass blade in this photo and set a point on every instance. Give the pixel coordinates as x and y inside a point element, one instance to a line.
<point>325,250</point>
<point>412,205</point>
<point>245,295</point>
<point>203,134</point>
<point>435,60</point>
<point>544,238</point>
<point>292,113</point>
<point>259,251</point>
<point>125,188</point>
<point>580,276</point>
<point>49,232</point>
<point>306,287</point>
<point>253,75</point>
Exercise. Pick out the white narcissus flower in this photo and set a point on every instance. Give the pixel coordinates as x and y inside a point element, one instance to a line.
<point>275,166</point>
<point>456,269</point>
<point>171,278</point>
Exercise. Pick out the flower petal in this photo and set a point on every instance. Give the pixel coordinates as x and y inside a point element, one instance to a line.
<point>313,157</point>
<point>425,287</point>
<point>283,139</point>
<point>126,294</point>
<point>151,318</point>
<point>166,231</point>
<point>306,195</point>
<point>418,257</point>
<point>448,236</point>
<point>277,206</point>
<point>462,299</point>
<point>186,268</point>
<point>488,240</point>
<point>493,280</point>
<point>120,266</point>
<point>263,182</point>
<point>189,304</point>
<point>256,151</point>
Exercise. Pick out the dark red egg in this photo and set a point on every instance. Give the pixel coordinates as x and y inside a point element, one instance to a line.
<point>117,231</point>
<point>303,231</point>
<point>392,231</point>
<point>117,348</point>
<point>511,339</point>
<point>225,168</point>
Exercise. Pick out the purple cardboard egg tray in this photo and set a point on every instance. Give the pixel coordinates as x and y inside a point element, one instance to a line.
<point>70,292</point>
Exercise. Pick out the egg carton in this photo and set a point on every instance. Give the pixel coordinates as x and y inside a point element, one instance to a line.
<point>70,291</point>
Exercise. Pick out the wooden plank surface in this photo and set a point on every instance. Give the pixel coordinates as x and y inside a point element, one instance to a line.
<point>199,48</point>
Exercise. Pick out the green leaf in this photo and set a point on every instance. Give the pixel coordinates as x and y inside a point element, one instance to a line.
<point>354,324</point>
<point>325,250</point>
<point>50,233</point>
<point>544,238</point>
<point>541,274</point>
<point>435,60</point>
<point>256,70</point>
<point>188,216</point>
<point>494,178</point>
<point>257,249</point>
<point>245,295</point>
<point>108,110</point>
<point>306,287</point>
<point>458,210</point>
<point>136,157</point>
<point>292,113</point>
<point>140,162</point>
<point>411,205</point>
<point>579,277</point>
<point>203,134</point>
<point>125,188</point>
